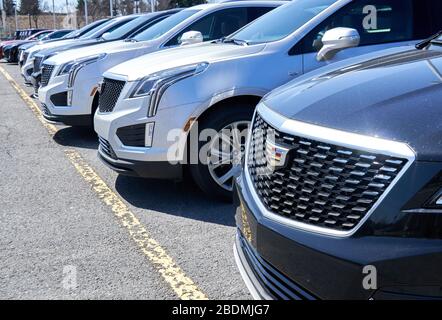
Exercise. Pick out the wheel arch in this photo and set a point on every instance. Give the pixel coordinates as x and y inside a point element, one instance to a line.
<point>246,99</point>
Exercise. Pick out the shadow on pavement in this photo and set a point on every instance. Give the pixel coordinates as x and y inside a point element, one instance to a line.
<point>81,137</point>
<point>182,199</point>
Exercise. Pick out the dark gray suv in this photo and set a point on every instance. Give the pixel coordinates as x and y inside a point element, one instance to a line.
<point>341,194</point>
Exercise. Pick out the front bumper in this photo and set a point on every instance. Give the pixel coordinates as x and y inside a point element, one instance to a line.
<point>153,170</point>
<point>154,161</point>
<point>26,70</point>
<point>55,97</point>
<point>280,262</point>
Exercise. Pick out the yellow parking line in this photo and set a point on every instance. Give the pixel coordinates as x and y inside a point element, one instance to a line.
<point>175,277</point>
<point>29,102</point>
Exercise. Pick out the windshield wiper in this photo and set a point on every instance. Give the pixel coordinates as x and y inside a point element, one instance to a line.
<point>426,42</point>
<point>131,40</point>
<point>235,41</point>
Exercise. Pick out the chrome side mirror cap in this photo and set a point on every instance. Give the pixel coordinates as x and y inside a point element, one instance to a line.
<point>337,39</point>
<point>191,37</point>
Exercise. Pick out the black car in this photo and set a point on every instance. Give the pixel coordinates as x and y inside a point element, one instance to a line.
<point>341,192</point>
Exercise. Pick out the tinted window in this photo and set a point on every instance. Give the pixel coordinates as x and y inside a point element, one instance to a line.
<point>94,30</point>
<point>117,26</point>
<point>164,26</point>
<point>121,31</point>
<point>58,34</point>
<point>426,16</point>
<point>282,21</point>
<point>255,13</point>
<point>147,25</point>
<point>377,21</point>
<point>216,25</point>
<point>88,28</point>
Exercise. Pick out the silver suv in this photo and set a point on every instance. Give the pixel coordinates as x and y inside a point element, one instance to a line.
<point>149,105</point>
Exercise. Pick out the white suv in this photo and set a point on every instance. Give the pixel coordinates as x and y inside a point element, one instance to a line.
<point>69,80</point>
<point>217,85</point>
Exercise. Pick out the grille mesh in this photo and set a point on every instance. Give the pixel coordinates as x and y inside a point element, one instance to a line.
<point>322,184</point>
<point>109,93</point>
<point>278,285</point>
<point>37,63</point>
<point>46,73</point>
<point>25,57</point>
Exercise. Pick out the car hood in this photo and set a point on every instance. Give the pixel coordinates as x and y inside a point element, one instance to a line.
<point>48,45</point>
<point>4,43</point>
<point>393,96</point>
<point>19,43</point>
<point>106,47</point>
<point>180,56</point>
<point>27,45</point>
<point>68,46</point>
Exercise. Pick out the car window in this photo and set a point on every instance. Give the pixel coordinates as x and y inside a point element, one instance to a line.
<point>59,34</point>
<point>282,21</point>
<point>221,23</point>
<point>147,25</point>
<point>164,26</point>
<point>426,16</point>
<point>98,28</point>
<point>118,25</point>
<point>377,21</point>
<point>256,12</point>
<point>120,31</point>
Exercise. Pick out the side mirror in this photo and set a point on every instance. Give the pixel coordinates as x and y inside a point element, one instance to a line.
<point>191,37</point>
<point>105,35</point>
<point>337,39</point>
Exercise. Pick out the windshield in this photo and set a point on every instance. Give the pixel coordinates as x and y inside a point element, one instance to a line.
<point>87,28</point>
<point>162,27</point>
<point>94,30</point>
<point>125,28</point>
<point>43,35</point>
<point>70,35</point>
<point>282,21</point>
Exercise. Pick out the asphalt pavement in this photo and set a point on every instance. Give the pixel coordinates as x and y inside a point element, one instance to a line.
<point>63,237</point>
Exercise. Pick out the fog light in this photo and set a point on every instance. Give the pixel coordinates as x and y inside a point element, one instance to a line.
<point>69,99</point>
<point>149,134</point>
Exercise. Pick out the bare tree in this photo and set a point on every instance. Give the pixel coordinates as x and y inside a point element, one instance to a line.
<point>32,9</point>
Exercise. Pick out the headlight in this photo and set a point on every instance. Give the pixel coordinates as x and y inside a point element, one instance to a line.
<point>156,84</point>
<point>72,67</point>
<point>32,54</point>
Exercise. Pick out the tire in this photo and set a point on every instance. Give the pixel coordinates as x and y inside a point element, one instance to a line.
<point>203,173</point>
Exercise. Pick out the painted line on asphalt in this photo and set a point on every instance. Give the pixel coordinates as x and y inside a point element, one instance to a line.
<point>174,276</point>
<point>29,102</point>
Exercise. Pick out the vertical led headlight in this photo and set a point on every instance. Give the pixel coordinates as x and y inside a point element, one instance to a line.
<point>156,84</point>
<point>72,67</point>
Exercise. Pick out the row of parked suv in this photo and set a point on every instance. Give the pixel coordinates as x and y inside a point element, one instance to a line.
<point>319,116</point>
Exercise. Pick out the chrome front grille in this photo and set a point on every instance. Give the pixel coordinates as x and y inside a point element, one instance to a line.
<point>46,73</point>
<point>110,91</point>
<point>320,184</point>
<point>37,63</point>
<point>25,57</point>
